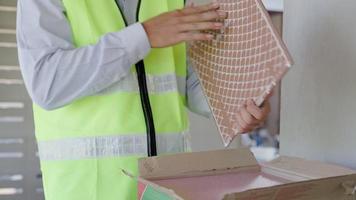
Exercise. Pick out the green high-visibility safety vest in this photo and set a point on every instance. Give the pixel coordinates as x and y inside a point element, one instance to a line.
<point>83,146</point>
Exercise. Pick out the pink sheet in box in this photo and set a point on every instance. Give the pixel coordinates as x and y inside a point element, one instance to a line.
<point>215,187</point>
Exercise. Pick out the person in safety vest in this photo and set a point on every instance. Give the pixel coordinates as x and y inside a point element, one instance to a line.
<point>90,67</point>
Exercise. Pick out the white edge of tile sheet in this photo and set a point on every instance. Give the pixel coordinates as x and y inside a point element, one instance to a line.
<point>271,5</point>
<point>274,5</point>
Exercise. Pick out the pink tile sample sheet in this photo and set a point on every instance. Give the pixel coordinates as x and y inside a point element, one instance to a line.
<point>215,187</point>
<point>244,61</point>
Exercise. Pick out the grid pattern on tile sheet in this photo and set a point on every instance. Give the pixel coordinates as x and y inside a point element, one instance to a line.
<point>244,61</point>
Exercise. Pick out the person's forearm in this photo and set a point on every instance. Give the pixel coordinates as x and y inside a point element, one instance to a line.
<point>55,72</point>
<point>61,75</point>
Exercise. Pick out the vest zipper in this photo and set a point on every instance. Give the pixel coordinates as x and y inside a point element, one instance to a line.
<point>145,100</point>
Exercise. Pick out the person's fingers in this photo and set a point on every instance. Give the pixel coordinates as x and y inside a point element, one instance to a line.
<point>205,16</point>
<point>242,125</point>
<point>248,118</point>
<point>270,94</point>
<point>190,36</point>
<point>266,108</point>
<point>200,26</point>
<point>198,9</point>
<point>246,125</point>
<point>241,128</point>
<point>254,110</point>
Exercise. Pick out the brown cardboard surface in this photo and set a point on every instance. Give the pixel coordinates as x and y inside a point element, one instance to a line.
<point>197,163</point>
<point>235,175</point>
<point>304,169</point>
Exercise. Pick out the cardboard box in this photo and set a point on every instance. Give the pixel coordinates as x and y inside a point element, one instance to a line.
<point>236,175</point>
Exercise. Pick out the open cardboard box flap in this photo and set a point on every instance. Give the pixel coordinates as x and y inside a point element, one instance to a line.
<point>196,164</point>
<point>235,174</point>
<point>301,169</point>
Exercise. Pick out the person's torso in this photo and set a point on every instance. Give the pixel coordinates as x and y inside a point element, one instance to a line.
<point>118,111</point>
<point>84,145</point>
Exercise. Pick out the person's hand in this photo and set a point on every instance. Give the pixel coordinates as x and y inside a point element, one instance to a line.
<point>251,116</point>
<point>184,25</point>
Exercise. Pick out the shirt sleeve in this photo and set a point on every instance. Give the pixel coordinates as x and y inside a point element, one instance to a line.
<point>55,72</point>
<point>197,102</point>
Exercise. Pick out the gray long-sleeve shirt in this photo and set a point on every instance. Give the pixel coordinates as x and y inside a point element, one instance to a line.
<point>57,73</point>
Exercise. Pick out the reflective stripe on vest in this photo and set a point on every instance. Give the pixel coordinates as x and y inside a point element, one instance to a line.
<point>108,146</point>
<point>157,84</point>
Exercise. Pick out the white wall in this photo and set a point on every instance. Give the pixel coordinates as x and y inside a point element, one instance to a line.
<point>318,119</point>
<point>204,133</point>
